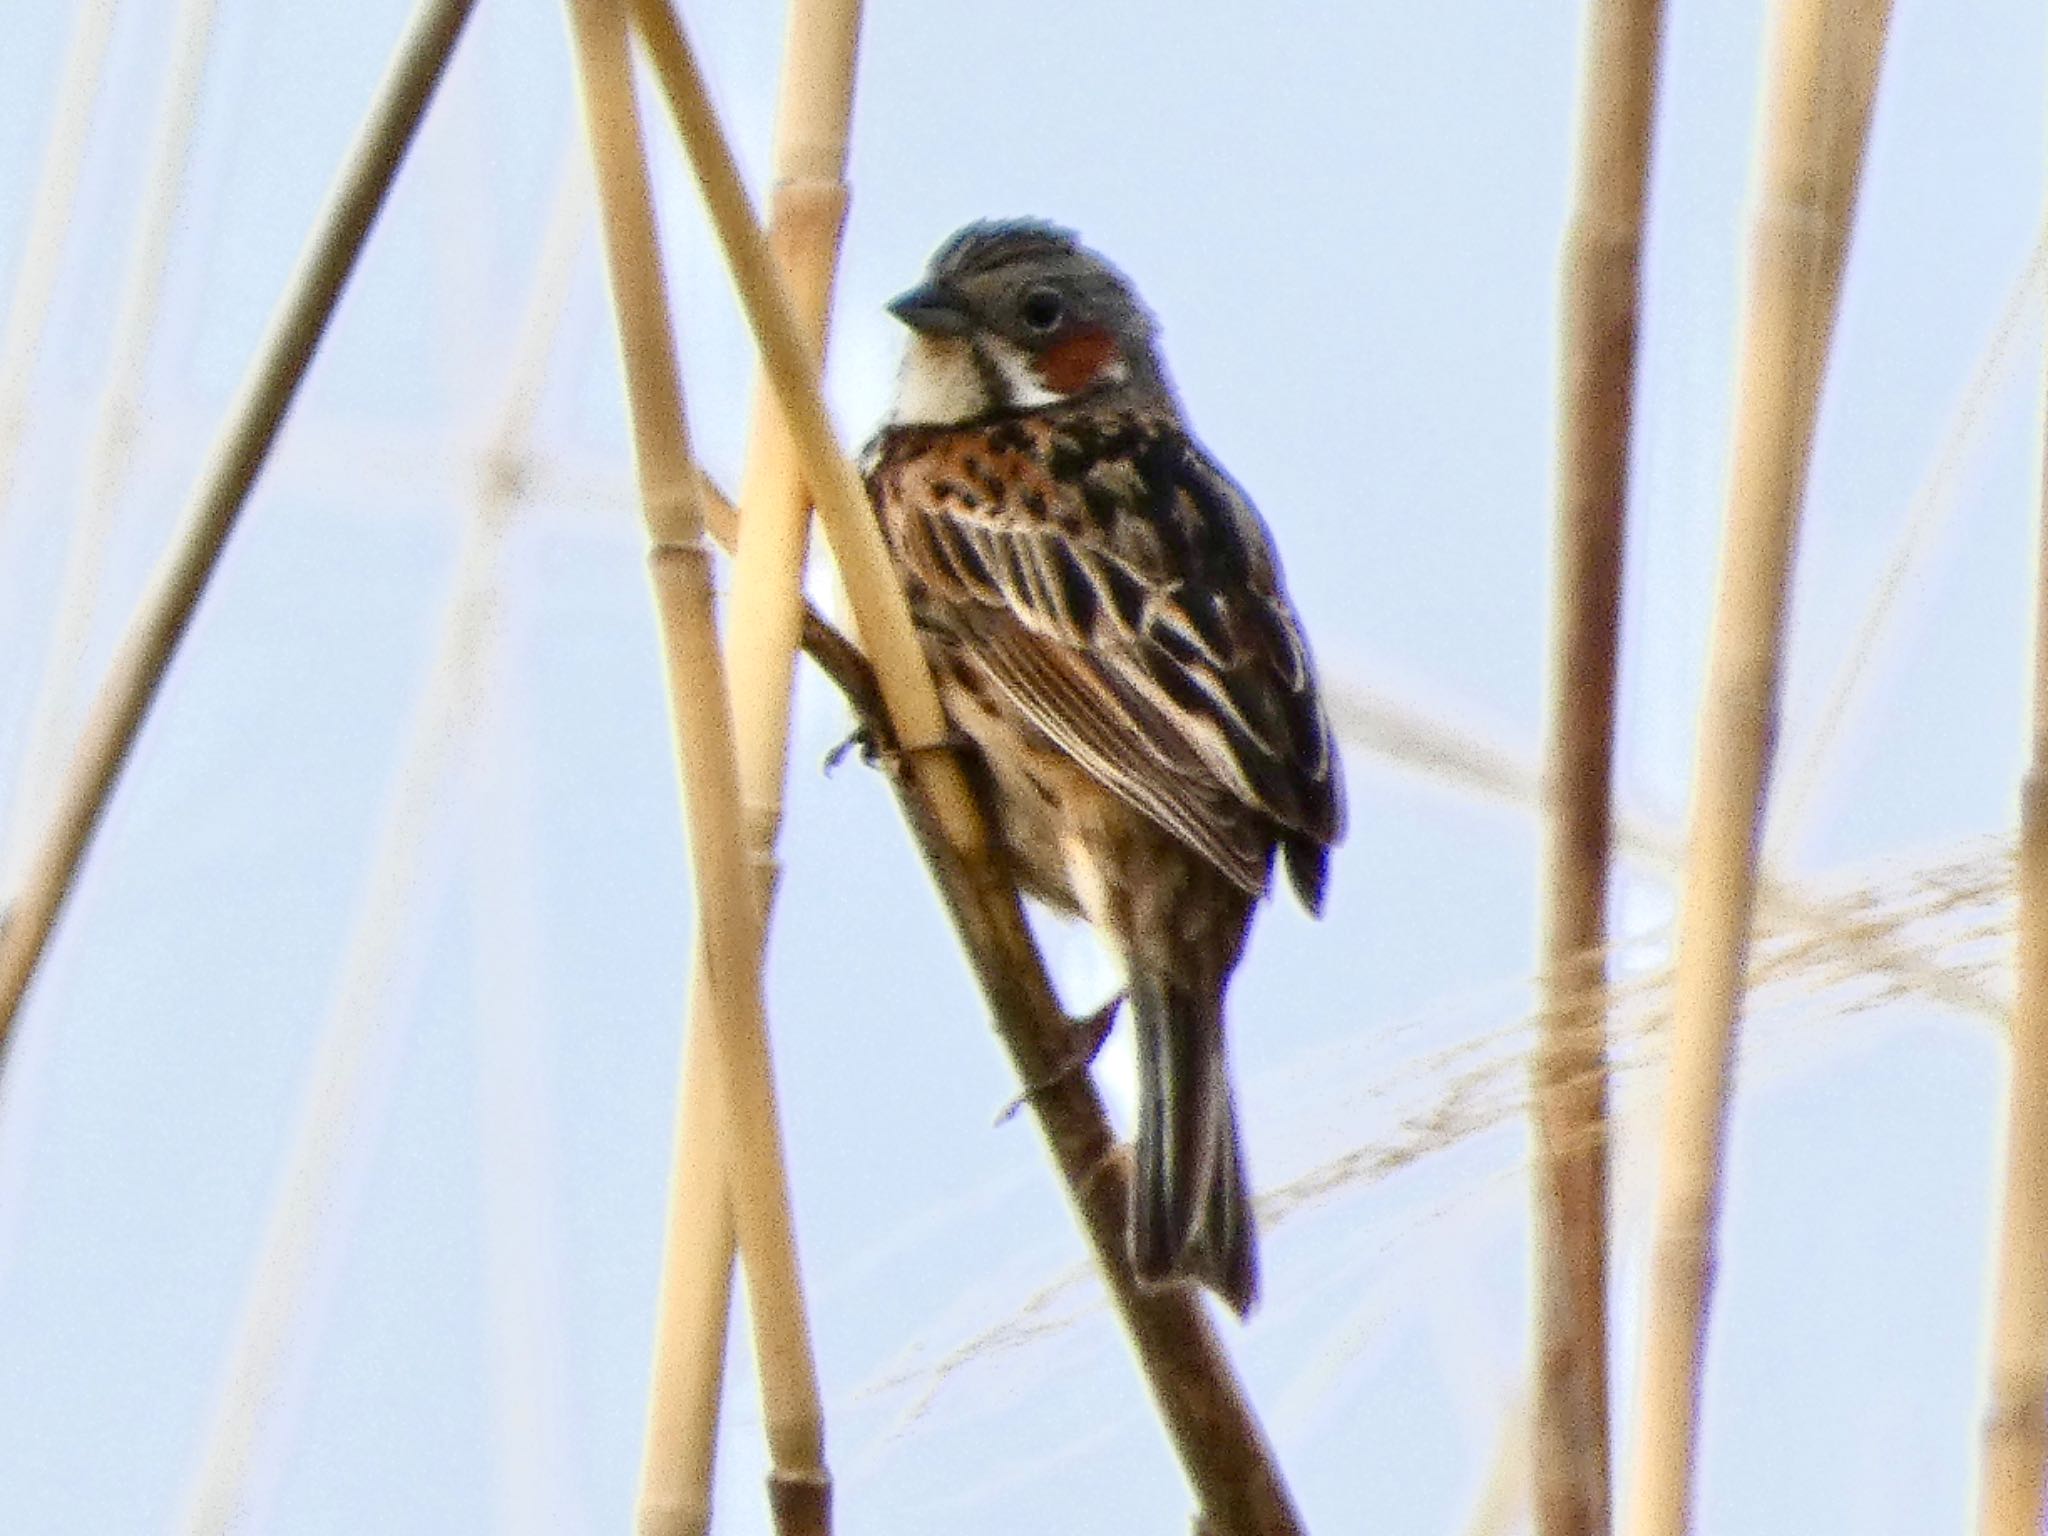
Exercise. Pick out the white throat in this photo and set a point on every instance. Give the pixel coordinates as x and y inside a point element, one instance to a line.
<point>941,382</point>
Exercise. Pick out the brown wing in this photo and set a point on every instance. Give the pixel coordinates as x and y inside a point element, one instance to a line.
<point>1122,592</point>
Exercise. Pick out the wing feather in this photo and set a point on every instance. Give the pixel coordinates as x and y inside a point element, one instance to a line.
<point>1122,592</point>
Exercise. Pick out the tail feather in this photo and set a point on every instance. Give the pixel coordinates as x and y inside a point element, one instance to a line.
<point>1191,1211</point>
<point>1223,1252</point>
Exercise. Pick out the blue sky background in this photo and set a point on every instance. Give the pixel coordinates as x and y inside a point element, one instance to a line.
<point>1348,218</point>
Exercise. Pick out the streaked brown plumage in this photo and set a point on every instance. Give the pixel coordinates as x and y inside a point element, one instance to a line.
<point>1107,623</point>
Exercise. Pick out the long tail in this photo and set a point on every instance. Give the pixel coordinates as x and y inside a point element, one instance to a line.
<point>1191,1211</point>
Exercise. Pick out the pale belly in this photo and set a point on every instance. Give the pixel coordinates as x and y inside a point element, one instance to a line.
<point>1049,812</point>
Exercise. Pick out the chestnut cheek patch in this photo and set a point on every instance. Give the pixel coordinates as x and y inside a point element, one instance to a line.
<point>1075,362</point>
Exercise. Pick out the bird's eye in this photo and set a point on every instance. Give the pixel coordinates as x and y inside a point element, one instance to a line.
<point>1042,310</point>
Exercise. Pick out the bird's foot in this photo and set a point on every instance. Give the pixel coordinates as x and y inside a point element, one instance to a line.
<point>878,750</point>
<point>1090,1032</point>
<point>860,738</point>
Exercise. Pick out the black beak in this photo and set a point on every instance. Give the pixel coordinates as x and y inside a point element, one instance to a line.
<point>931,311</point>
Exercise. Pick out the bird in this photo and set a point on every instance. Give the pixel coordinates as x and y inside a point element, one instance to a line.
<point>1106,622</point>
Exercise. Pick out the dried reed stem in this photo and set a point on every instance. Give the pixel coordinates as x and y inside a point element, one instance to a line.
<point>729,930</point>
<point>792,368</point>
<point>523,1304</point>
<point>1597,346</point>
<point>2013,1491</point>
<point>355,1039</point>
<point>111,450</point>
<point>534,1440</point>
<point>1936,497</point>
<point>694,1306</point>
<point>808,214</point>
<point>352,1055</point>
<point>1822,80</point>
<point>1503,1501</point>
<point>1224,1451</point>
<point>49,221</point>
<point>159,624</point>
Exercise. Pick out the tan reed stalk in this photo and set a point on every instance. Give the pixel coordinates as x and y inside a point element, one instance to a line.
<point>1503,1501</point>
<point>807,215</point>
<point>2013,1486</point>
<point>355,1036</point>
<point>111,449</point>
<point>49,221</point>
<point>1824,58</point>
<point>532,1443</point>
<point>1931,504</point>
<point>694,1307</point>
<point>138,668</point>
<point>534,1431</point>
<point>793,371</point>
<point>1568,1415</point>
<point>354,1045</point>
<point>1235,1477</point>
<point>680,561</point>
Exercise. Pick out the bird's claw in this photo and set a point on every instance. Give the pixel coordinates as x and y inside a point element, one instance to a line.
<point>879,750</point>
<point>861,737</point>
<point>1091,1032</point>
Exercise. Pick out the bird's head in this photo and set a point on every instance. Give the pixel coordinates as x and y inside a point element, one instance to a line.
<point>1018,315</point>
